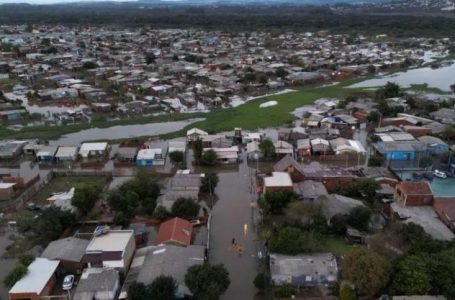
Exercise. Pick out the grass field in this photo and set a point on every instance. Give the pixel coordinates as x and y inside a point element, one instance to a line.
<point>246,116</point>
<point>64,183</point>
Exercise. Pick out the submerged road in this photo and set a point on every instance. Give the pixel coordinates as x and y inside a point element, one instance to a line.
<point>234,216</point>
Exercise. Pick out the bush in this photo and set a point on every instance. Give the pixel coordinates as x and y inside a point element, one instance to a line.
<point>177,157</point>
<point>375,161</point>
<point>161,213</point>
<point>285,291</point>
<point>209,183</point>
<point>346,292</point>
<point>185,208</point>
<point>274,202</point>
<point>209,158</point>
<point>262,281</point>
<point>15,275</point>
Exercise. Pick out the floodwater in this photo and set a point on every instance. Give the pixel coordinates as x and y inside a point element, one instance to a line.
<point>440,78</point>
<point>6,265</point>
<point>122,131</point>
<point>234,216</point>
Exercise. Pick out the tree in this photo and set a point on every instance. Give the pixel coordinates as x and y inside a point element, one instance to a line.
<point>177,157</point>
<point>411,277</point>
<point>262,281</point>
<point>209,158</point>
<point>89,65</point>
<point>359,218</point>
<point>267,148</point>
<point>374,117</point>
<point>274,202</point>
<point>209,182</point>
<point>185,208</point>
<point>281,72</point>
<point>138,291</point>
<point>262,79</point>
<point>15,275</point>
<point>338,224</point>
<point>161,213</point>
<point>366,269</point>
<point>207,282</point>
<point>441,268</point>
<point>375,161</point>
<point>197,150</point>
<point>51,223</point>
<point>150,58</point>
<point>449,133</point>
<point>85,198</point>
<point>288,240</point>
<point>162,288</point>
<point>346,292</point>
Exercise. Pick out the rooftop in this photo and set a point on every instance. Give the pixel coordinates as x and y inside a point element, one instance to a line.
<point>176,231</point>
<point>114,240</point>
<point>39,273</point>
<point>68,249</point>
<point>415,188</point>
<point>278,179</point>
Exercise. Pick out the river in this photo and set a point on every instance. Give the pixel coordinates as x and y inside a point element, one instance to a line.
<point>440,78</point>
<point>121,132</point>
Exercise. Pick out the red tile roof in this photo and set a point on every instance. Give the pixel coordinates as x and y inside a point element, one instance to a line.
<point>175,231</point>
<point>415,188</point>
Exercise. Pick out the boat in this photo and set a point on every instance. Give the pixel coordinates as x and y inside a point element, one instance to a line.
<point>439,174</point>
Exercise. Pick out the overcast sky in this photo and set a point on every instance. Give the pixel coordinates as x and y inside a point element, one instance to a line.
<point>53,1</point>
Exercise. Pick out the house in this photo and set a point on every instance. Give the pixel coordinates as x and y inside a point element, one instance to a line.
<point>320,146</point>
<point>69,251</point>
<point>303,149</point>
<point>177,146</point>
<point>98,284</point>
<point>66,154</point>
<point>445,208</point>
<point>175,231</point>
<point>229,155</point>
<point>283,148</point>
<point>168,260</point>
<point>405,150</point>
<point>444,115</point>
<point>215,141</point>
<point>112,249</point>
<point>336,204</point>
<point>150,157</point>
<point>63,200</point>
<point>424,216</point>
<point>253,151</point>
<point>278,181</point>
<point>11,149</point>
<point>183,185</point>
<point>410,193</point>
<point>194,134</point>
<point>251,137</point>
<point>95,150</point>
<point>291,166</point>
<point>309,190</point>
<point>7,190</point>
<point>47,153</point>
<point>38,282</point>
<point>126,154</point>
<point>317,269</point>
<point>331,177</point>
<point>435,145</point>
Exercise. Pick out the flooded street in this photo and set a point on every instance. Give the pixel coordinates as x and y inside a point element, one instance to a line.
<point>233,217</point>
<point>121,132</point>
<point>440,78</point>
<point>6,265</point>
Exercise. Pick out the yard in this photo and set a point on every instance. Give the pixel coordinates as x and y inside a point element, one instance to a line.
<point>64,183</point>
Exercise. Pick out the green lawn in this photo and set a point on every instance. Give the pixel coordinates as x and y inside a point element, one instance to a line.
<point>64,183</point>
<point>336,245</point>
<point>247,116</point>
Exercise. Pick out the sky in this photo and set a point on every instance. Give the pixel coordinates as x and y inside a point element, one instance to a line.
<point>54,1</point>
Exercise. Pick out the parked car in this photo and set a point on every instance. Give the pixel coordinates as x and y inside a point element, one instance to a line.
<point>68,282</point>
<point>33,207</point>
<point>440,174</point>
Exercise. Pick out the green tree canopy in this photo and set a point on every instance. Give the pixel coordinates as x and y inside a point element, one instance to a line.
<point>185,208</point>
<point>207,282</point>
<point>274,202</point>
<point>85,198</point>
<point>366,269</point>
<point>209,182</point>
<point>177,157</point>
<point>209,158</point>
<point>197,150</point>
<point>162,288</point>
<point>411,277</point>
<point>267,148</point>
<point>359,218</point>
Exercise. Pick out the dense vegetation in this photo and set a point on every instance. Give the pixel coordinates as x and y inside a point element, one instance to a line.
<point>229,18</point>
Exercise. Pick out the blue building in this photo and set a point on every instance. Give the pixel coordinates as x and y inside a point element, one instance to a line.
<point>408,150</point>
<point>435,145</point>
<point>47,154</point>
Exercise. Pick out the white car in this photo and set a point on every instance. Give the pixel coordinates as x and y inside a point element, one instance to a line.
<point>68,282</point>
<point>440,174</point>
